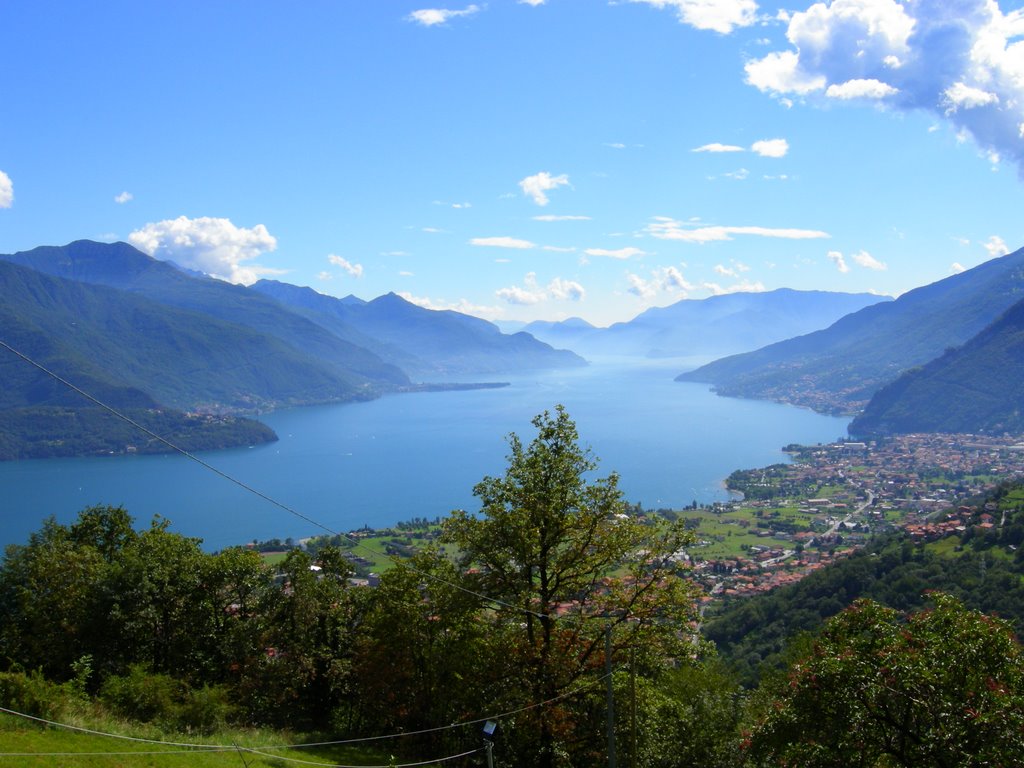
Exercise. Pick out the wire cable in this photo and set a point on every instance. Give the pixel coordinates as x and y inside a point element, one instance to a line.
<point>340,742</point>
<point>281,505</point>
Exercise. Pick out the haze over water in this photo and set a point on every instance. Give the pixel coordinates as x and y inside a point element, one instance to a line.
<point>410,455</point>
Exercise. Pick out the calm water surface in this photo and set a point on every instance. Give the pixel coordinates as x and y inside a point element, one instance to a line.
<point>421,454</point>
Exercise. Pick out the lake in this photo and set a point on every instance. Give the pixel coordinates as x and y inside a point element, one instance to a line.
<point>419,455</point>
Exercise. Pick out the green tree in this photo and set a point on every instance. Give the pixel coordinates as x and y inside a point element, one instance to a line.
<point>943,688</point>
<point>422,655</point>
<point>566,563</point>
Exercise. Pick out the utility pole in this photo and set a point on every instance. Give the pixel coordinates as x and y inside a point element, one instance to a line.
<point>611,694</point>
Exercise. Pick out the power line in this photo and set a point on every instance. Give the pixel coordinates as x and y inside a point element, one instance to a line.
<point>281,505</point>
<point>340,742</point>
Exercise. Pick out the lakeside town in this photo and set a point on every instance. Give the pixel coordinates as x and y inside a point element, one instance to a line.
<point>787,520</point>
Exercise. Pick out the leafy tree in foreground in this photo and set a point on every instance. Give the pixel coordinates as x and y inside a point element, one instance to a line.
<point>943,688</point>
<point>566,563</point>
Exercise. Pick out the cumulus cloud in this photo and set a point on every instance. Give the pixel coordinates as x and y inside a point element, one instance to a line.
<point>502,242</point>
<point>771,147</point>
<point>866,260</point>
<point>665,228</point>
<point>956,268</point>
<point>552,217</point>
<point>840,262</point>
<point>734,270</point>
<point>6,191</point>
<point>530,292</point>
<point>963,61</point>
<point>621,253</point>
<point>353,270</point>
<point>211,245</point>
<point>744,286</point>
<point>537,185</point>
<point>123,198</point>
<point>430,17</point>
<point>717,15</point>
<point>462,305</point>
<point>717,147</point>
<point>566,289</point>
<point>996,246</point>
<point>861,88</point>
<point>662,280</point>
<point>534,3</point>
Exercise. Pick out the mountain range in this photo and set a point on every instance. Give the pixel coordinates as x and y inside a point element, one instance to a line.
<point>717,325</point>
<point>838,369</point>
<point>142,334</point>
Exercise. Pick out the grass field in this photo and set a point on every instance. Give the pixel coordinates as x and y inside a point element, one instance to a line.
<point>24,744</point>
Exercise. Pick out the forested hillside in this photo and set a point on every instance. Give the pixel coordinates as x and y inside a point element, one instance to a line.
<point>976,388</point>
<point>984,567</point>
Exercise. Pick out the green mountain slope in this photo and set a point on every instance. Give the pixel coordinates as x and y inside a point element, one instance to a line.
<point>421,341</point>
<point>839,368</point>
<point>976,388</point>
<point>119,265</point>
<point>118,346</point>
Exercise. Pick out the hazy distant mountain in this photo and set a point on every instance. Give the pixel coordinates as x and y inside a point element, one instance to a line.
<point>718,325</point>
<point>119,265</point>
<point>838,369</point>
<point>421,341</point>
<point>976,388</point>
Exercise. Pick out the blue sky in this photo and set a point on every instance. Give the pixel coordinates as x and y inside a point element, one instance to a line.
<point>522,160</point>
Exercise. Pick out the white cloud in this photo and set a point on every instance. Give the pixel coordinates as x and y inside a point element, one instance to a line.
<point>717,15</point>
<point>431,230</point>
<point>535,186</point>
<point>462,305</point>
<point>552,217</point>
<point>961,96</point>
<point>211,245</point>
<point>534,3</point>
<point>662,280</point>
<point>566,289</point>
<point>739,174</point>
<point>771,147</point>
<point>324,276</point>
<point>430,17</point>
<point>866,260</point>
<point>735,270</point>
<point>861,88</point>
<point>353,270</point>
<point>716,147</point>
<point>839,261</point>
<point>956,268</point>
<point>622,253</point>
<point>558,249</point>
<point>996,246</point>
<point>530,292</point>
<point>669,229</point>
<point>780,72</point>
<point>502,242</point>
<point>520,296</point>
<point>6,191</point>
<point>963,62</point>
<point>744,286</point>
<point>123,198</point>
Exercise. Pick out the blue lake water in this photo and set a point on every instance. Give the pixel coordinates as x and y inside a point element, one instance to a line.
<point>410,455</point>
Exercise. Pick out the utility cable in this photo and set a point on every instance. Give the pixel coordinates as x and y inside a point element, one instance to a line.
<point>281,505</point>
<point>234,747</point>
